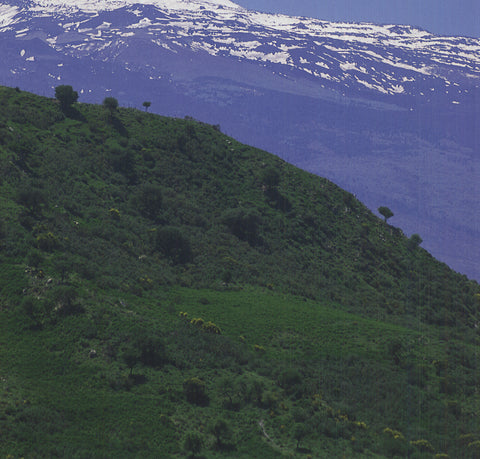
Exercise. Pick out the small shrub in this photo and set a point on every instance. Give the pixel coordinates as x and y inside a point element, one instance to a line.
<point>394,443</point>
<point>31,197</point>
<point>193,443</point>
<point>243,223</point>
<point>289,378</point>
<point>114,214</point>
<point>31,313</point>
<point>259,349</point>
<point>423,445</point>
<point>195,391</point>
<point>173,244</point>
<point>223,434</point>
<point>47,241</point>
<point>198,322</point>
<point>150,201</point>
<point>210,327</point>
<point>473,449</point>
<point>270,177</point>
<point>65,300</point>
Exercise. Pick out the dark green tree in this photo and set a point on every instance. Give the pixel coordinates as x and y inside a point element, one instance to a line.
<point>111,104</point>
<point>195,391</point>
<point>63,265</point>
<point>65,299</point>
<point>32,198</point>
<point>414,241</point>
<point>222,433</point>
<point>66,96</point>
<point>146,104</point>
<point>243,223</point>
<point>131,355</point>
<point>385,212</point>
<point>300,431</point>
<point>150,200</point>
<point>174,245</point>
<point>193,443</point>
<point>270,177</point>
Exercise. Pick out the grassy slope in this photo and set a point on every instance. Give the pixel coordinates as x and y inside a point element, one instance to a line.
<point>328,317</point>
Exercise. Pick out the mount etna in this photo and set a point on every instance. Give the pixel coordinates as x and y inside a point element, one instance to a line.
<point>389,112</point>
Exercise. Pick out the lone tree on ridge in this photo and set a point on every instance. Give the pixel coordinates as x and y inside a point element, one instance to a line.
<point>111,104</point>
<point>385,212</point>
<point>66,96</point>
<point>146,104</point>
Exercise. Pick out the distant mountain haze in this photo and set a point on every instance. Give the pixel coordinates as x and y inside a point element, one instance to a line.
<point>389,112</point>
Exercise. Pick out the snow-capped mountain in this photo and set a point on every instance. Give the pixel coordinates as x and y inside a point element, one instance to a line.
<point>387,59</point>
<point>389,112</point>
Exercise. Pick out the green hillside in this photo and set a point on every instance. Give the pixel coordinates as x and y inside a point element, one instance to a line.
<point>167,291</point>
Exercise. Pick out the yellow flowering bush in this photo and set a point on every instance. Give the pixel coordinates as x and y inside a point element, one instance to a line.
<point>114,213</point>
<point>395,434</point>
<point>423,445</point>
<point>258,348</point>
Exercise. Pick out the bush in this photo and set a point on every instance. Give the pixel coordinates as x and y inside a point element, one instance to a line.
<point>423,445</point>
<point>150,201</point>
<point>394,443</point>
<point>210,327</point>
<point>193,443</point>
<point>152,350</point>
<point>65,300</point>
<point>270,177</point>
<point>174,245</point>
<point>289,378</point>
<point>32,198</point>
<point>223,433</point>
<point>243,223</point>
<point>195,391</point>
<point>31,313</point>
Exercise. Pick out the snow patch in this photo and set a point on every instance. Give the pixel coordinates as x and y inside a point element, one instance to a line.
<point>7,16</point>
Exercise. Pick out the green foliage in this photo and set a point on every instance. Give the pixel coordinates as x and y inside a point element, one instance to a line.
<point>300,431</point>
<point>414,241</point>
<point>47,241</point>
<point>66,96</point>
<point>32,198</point>
<point>243,223</point>
<point>150,201</point>
<point>193,443</point>
<point>385,212</point>
<point>195,391</point>
<point>329,319</point>
<point>172,243</point>
<point>223,434</point>
<point>131,354</point>
<point>65,299</point>
<point>111,104</point>
<point>270,177</point>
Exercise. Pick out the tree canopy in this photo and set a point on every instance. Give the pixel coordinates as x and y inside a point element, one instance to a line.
<point>110,103</point>
<point>385,212</point>
<point>66,96</point>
